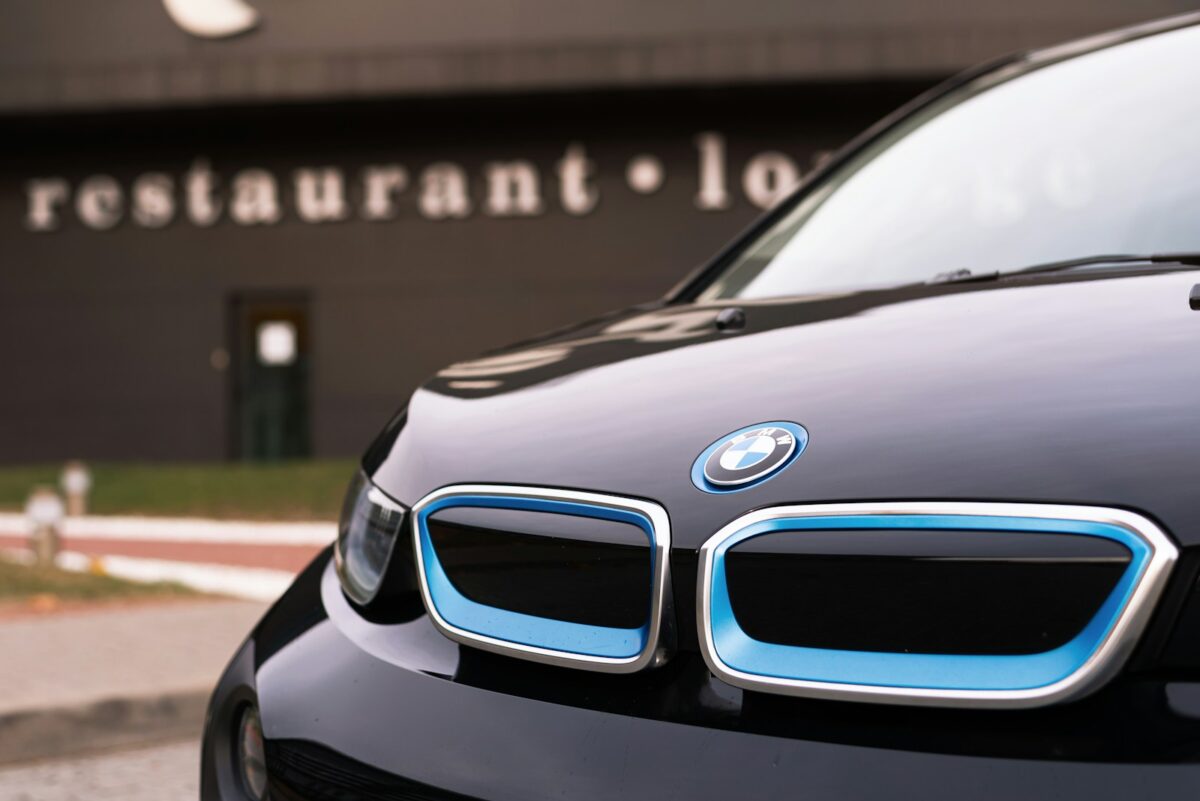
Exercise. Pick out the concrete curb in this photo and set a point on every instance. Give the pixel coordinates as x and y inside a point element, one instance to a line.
<point>233,581</point>
<point>181,529</point>
<point>54,732</point>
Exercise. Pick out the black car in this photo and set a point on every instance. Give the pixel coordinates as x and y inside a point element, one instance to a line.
<point>899,497</point>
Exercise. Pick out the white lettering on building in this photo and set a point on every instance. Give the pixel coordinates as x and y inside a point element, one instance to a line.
<point>381,184</point>
<point>199,187</point>
<point>153,200</point>
<point>443,190</point>
<point>255,198</point>
<point>99,202</point>
<point>575,190</point>
<point>645,174</point>
<point>320,195</point>
<point>769,178</point>
<point>513,189</point>
<point>713,196</point>
<point>43,197</point>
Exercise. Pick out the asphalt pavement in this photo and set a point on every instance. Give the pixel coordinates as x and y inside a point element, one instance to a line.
<point>162,773</point>
<point>78,681</point>
<point>86,656</point>
<point>129,675</point>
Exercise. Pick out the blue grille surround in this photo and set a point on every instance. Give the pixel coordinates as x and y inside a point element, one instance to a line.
<point>1074,669</point>
<point>613,650</point>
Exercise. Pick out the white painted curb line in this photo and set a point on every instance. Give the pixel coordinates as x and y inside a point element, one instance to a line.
<point>251,583</point>
<point>182,529</point>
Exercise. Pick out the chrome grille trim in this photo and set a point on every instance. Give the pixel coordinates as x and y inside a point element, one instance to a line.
<point>659,642</point>
<point>1104,663</point>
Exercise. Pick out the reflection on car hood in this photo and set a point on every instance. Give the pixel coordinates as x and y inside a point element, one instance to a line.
<point>1070,389</point>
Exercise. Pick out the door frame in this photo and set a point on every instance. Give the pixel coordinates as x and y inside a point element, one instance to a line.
<point>241,349</point>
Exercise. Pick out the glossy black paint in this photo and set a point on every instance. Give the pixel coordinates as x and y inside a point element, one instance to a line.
<point>1068,388</point>
<point>412,708</point>
<point>949,592</point>
<point>1075,388</point>
<point>1072,388</point>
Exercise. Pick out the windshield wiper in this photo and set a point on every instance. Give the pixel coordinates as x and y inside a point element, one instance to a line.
<point>960,276</point>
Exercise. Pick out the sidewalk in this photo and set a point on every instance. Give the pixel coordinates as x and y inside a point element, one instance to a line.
<point>82,680</point>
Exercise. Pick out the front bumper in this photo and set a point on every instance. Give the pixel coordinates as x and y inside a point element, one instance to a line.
<point>391,709</point>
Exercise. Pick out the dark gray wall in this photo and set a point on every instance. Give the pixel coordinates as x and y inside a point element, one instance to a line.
<point>79,54</point>
<point>106,336</point>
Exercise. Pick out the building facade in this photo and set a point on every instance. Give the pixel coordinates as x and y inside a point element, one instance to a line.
<point>248,231</point>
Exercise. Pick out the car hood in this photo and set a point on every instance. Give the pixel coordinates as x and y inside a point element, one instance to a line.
<point>1080,388</point>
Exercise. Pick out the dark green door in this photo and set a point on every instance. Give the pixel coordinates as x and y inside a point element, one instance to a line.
<point>271,377</point>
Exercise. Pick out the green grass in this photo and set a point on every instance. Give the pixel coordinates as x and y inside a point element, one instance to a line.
<point>18,583</point>
<point>309,490</point>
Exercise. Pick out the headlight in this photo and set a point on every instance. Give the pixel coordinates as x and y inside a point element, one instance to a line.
<point>251,754</point>
<point>367,533</point>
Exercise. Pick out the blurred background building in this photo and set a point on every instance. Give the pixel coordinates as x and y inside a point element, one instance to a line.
<point>247,231</point>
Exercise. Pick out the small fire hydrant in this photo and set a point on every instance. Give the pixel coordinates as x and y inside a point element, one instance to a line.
<point>76,482</point>
<point>45,511</point>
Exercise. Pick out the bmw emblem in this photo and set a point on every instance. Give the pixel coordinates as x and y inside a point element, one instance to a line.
<point>748,456</point>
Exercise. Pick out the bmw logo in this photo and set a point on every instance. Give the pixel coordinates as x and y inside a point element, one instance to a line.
<point>748,456</point>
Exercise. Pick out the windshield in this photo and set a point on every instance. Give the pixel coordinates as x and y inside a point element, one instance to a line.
<point>1091,155</point>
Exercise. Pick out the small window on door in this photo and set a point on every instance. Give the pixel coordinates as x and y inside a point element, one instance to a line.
<point>270,392</point>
